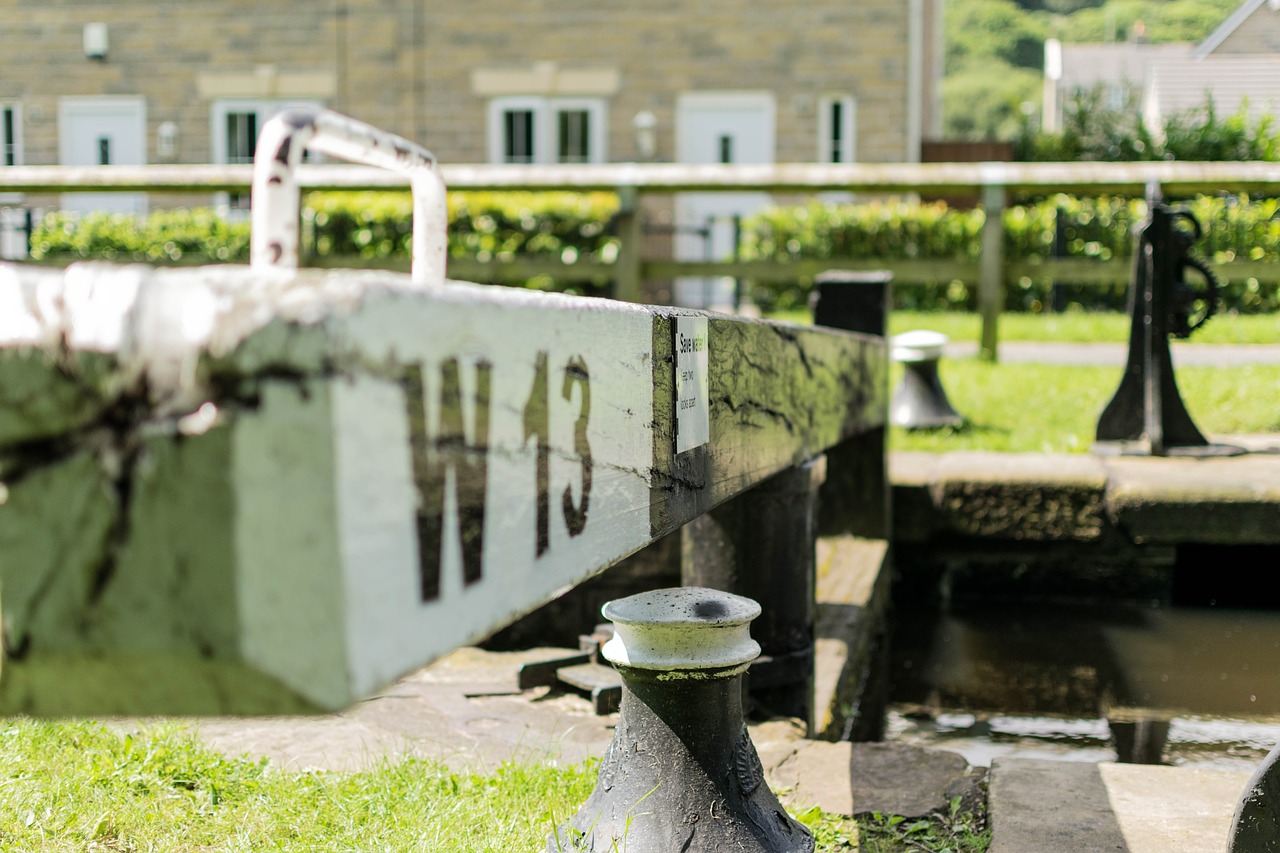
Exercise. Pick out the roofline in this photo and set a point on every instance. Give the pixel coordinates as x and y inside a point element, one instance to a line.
<point>1226,28</point>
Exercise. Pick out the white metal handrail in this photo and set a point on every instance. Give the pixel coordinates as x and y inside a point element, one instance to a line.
<point>276,191</point>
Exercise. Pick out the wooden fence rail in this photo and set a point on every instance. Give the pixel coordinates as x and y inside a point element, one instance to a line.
<point>994,183</point>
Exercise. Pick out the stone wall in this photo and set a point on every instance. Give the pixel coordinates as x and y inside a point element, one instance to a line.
<point>411,67</point>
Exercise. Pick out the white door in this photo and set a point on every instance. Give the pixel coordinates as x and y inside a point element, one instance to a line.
<point>718,127</point>
<point>103,131</point>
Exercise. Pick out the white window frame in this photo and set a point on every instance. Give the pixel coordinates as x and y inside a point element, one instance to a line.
<point>12,111</point>
<point>546,126</point>
<point>848,142</point>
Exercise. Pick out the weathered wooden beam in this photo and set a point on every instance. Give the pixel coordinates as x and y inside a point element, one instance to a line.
<point>259,493</point>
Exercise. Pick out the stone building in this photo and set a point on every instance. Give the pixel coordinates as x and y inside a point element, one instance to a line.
<point>191,81</point>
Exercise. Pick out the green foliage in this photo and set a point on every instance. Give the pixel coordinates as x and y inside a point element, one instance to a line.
<point>368,226</point>
<point>1074,326</point>
<point>978,31</point>
<point>994,57</point>
<point>1199,134</point>
<point>1058,7</point>
<point>1162,20</point>
<point>71,787</point>
<point>1050,408</point>
<point>957,831</point>
<point>1098,228</point>
<point>482,225</point>
<point>78,787</point>
<point>1094,131</point>
<point>165,236</point>
<point>989,100</point>
<point>375,228</point>
<point>888,230</point>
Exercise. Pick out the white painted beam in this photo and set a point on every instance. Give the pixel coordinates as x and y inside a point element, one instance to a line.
<point>282,492</point>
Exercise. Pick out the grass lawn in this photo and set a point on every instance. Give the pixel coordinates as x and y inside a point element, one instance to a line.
<point>1071,327</point>
<point>78,786</point>
<point>1084,327</point>
<point>1038,408</point>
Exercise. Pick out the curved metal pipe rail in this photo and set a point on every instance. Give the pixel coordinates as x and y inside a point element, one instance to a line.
<point>276,193</point>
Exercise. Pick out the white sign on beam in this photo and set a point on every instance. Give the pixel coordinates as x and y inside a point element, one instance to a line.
<point>693,395</point>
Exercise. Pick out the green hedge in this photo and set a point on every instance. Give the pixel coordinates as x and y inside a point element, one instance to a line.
<point>568,226</point>
<point>1099,228</point>
<point>165,236</point>
<point>368,226</point>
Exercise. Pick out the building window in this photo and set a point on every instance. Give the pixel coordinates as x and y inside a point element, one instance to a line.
<point>546,130</point>
<point>574,135</point>
<point>241,130</point>
<point>236,124</point>
<point>10,135</point>
<point>517,135</point>
<point>837,122</point>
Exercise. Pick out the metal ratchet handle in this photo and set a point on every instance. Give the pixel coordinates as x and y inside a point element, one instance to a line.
<point>276,195</point>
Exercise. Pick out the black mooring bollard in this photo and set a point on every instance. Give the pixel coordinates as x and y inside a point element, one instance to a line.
<point>1255,828</point>
<point>681,773</point>
<point>919,402</point>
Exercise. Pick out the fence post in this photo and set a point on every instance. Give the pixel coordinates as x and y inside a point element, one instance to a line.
<point>761,545</point>
<point>626,284</point>
<point>991,274</point>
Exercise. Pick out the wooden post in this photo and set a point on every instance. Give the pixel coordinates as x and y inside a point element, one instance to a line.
<point>627,267</point>
<point>855,498</point>
<point>991,278</point>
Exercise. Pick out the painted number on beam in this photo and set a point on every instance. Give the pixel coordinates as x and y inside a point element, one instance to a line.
<point>465,462</point>
<point>537,425</point>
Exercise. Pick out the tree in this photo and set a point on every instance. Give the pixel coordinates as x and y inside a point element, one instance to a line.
<point>1162,20</point>
<point>994,61</point>
<point>978,31</point>
<point>987,101</point>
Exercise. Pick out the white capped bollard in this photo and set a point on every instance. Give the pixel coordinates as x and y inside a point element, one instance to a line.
<point>681,772</point>
<point>919,401</point>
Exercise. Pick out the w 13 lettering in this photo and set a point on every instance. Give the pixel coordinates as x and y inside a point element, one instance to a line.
<point>451,452</point>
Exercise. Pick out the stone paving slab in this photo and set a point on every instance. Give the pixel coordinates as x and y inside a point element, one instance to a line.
<point>1213,501</point>
<point>1039,806</point>
<point>1010,496</point>
<point>1078,497</point>
<point>465,711</point>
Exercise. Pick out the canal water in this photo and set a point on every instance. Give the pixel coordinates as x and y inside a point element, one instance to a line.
<point>1048,681</point>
